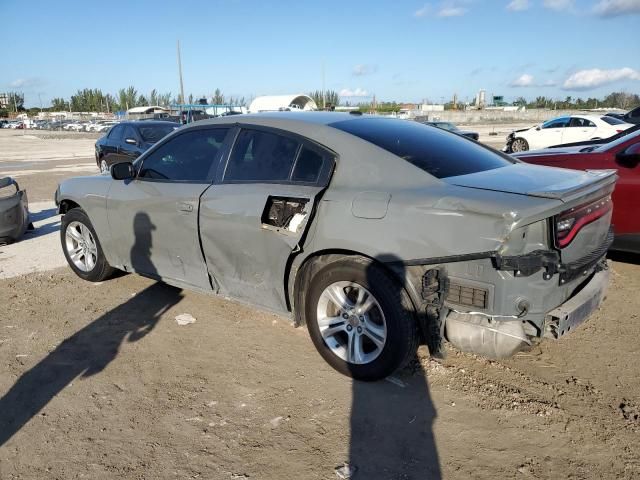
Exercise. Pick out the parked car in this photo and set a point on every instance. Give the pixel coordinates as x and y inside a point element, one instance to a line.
<point>622,154</point>
<point>453,128</point>
<point>633,116</point>
<point>375,233</point>
<point>573,128</point>
<point>127,140</point>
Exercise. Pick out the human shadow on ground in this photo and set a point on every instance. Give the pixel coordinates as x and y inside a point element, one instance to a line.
<point>88,351</point>
<point>391,423</point>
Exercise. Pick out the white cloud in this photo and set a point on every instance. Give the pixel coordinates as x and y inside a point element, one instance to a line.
<point>451,11</point>
<point>596,77</point>
<point>421,12</point>
<point>558,5</point>
<point>364,69</point>
<point>524,80</point>
<point>613,8</point>
<point>26,83</point>
<point>358,92</point>
<point>518,5</point>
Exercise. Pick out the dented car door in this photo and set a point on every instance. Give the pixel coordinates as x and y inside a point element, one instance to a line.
<point>259,211</point>
<point>156,214</point>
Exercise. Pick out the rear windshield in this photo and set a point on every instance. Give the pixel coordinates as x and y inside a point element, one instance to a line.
<point>153,133</point>
<point>438,152</point>
<point>612,120</point>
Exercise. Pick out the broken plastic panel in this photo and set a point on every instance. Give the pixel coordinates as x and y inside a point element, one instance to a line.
<point>284,212</point>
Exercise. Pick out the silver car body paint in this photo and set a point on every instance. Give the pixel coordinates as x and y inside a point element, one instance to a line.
<point>376,205</point>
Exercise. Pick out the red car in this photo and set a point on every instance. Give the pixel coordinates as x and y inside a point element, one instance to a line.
<point>621,153</point>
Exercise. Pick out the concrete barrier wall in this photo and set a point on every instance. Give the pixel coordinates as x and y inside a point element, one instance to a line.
<point>499,116</point>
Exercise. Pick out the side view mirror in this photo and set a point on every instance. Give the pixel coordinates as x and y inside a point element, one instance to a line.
<point>629,158</point>
<point>131,141</point>
<point>538,128</point>
<point>122,171</point>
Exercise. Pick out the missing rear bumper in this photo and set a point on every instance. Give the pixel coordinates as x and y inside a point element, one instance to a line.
<point>565,318</point>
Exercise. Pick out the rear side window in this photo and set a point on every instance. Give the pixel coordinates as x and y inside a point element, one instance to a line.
<point>440,153</point>
<point>153,133</point>
<point>581,122</point>
<point>612,120</point>
<point>308,166</point>
<point>186,157</point>
<point>260,156</point>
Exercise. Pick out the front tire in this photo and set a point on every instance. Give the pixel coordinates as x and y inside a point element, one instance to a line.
<point>360,319</point>
<point>81,247</point>
<point>519,145</point>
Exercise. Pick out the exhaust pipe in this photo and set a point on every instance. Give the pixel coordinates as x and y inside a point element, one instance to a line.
<point>485,335</point>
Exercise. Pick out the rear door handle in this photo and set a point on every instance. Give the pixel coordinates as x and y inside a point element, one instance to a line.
<point>185,207</point>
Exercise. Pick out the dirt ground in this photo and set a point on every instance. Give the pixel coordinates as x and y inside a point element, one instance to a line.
<point>100,381</point>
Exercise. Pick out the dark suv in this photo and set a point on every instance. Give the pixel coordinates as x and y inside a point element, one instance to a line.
<point>126,141</point>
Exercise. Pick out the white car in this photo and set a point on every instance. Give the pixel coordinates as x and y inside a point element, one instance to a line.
<point>573,128</point>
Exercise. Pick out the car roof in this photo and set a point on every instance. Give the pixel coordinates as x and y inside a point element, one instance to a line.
<point>135,123</point>
<point>317,118</point>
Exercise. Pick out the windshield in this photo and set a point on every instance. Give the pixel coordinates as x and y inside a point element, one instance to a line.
<point>153,133</point>
<point>433,150</point>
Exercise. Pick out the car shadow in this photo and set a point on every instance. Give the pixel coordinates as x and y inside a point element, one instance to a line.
<point>392,426</point>
<point>624,257</point>
<point>85,353</point>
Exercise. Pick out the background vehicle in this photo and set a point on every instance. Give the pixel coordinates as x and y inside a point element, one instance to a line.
<point>453,128</point>
<point>372,231</point>
<point>127,140</point>
<point>622,154</point>
<point>599,141</point>
<point>573,128</point>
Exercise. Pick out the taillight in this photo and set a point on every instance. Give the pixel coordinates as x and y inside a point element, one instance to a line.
<point>569,223</point>
<point>619,131</point>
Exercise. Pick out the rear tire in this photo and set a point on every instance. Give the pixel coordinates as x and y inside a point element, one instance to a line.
<point>82,248</point>
<point>374,332</point>
<point>519,145</point>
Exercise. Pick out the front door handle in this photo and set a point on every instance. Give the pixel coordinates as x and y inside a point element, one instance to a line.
<point>185,207</point>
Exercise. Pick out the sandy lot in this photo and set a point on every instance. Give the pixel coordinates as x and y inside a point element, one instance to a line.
<point>100,381</point>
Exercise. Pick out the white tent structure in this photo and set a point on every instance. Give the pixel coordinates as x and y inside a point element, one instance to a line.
<point>274,103</point>
<point>148,109</point>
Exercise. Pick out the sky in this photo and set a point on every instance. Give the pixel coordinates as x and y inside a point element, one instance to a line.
<point>402,50</point>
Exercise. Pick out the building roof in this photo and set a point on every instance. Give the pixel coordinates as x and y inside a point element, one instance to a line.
<point>271,103</point>
<point>147,109</point>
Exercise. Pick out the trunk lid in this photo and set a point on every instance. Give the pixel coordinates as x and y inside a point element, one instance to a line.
<point>538,181</point>
<point>581,202</point>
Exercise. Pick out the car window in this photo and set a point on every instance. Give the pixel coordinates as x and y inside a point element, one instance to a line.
<point>153,133</point>
<point>186,157</point>
<point>260,156</point>
<point>129,132</point>
<point>116,132</point>
<point>430,149</point>
<point>308,166</point>
<point>581,122</point>
<point>612,120</point>
<point>556,123</point>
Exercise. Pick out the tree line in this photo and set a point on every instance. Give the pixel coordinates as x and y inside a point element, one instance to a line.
<point>95,100</point>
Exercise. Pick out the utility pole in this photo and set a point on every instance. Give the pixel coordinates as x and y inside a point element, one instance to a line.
<point>324,101</point>
<point>40,98</point>
<point>180,73</point>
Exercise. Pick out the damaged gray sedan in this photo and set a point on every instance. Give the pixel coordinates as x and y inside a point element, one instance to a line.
<point>378,234</point>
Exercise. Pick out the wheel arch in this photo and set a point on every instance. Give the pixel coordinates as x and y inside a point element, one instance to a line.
<point>66,205</point>
<point>302,270</point>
